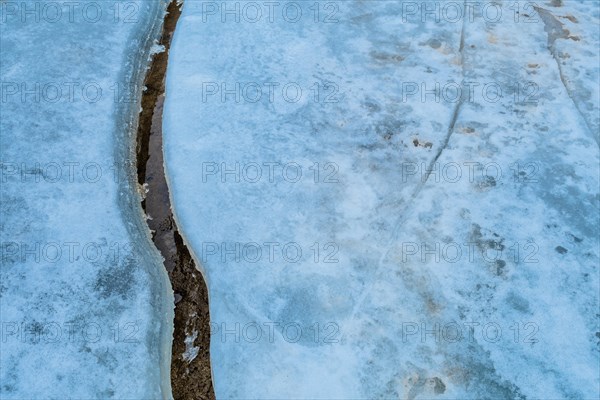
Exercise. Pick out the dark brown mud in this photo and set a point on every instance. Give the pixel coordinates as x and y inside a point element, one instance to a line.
<point>190,364</point>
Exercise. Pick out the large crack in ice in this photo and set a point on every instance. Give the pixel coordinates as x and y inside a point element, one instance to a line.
<point>555,30</point>
<point>454,117</point>
<point>442,147</point>
<point>411,201</point>
<point>190,361</point>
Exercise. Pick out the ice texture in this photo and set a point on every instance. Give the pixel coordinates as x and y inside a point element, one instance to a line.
<point>86,306</point>
<point>475,214</point>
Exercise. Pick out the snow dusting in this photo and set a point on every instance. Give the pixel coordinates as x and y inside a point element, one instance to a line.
<point>391,202</point>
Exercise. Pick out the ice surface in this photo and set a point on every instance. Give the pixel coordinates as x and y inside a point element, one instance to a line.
<point>86,306</point>
<point>474,214</point>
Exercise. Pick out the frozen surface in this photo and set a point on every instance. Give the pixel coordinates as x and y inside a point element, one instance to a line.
<point>86,307</point>
<point>477,279</point>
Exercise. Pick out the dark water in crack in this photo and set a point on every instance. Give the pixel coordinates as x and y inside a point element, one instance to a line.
<point>190,378</point>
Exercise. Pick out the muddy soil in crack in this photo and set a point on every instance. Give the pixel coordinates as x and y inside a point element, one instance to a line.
<point>190,364</point>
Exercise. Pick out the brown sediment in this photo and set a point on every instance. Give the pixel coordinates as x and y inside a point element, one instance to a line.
<point>190,375</point>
